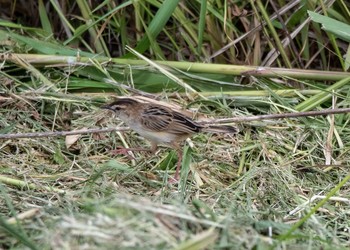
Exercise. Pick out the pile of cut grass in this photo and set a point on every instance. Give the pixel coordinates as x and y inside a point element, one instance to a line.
<point>277,184</point>
<point>238,192</point>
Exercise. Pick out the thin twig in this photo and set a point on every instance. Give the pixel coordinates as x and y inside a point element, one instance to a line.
<point>279,116</point>
<point>61,133</point>
<point>225,120</point>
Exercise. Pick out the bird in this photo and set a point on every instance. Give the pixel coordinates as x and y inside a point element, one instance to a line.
<point>160,124</point>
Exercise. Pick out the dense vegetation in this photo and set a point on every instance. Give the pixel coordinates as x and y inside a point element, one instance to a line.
<point>277,184</point>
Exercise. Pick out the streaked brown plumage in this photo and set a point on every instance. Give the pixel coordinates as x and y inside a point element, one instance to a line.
<point>160,124</point>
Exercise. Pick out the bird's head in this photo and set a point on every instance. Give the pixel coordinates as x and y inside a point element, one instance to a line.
<point>121,106</point>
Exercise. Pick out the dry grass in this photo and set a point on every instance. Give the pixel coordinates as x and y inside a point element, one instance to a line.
<point>278,184</point>
<point>111,201</point>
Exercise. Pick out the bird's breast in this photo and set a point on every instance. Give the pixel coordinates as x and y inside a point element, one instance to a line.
<point>157,137</point>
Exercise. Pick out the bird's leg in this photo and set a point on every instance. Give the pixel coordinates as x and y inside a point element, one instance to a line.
<point>176,177</point>
<point>178,165</point>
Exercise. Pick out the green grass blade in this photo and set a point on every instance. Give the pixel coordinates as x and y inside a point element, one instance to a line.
<point>157,24</point>
<point>45,47</point>
<point>200,241</point>
<point>185,169</point>
<point>154,45</point>
<point>314,210</point>
<point>320,98</point>
<point>201,25</point>
<point>44,19</point>
<point>339,29</point>
<point>98,41</point>
<point>274,34</point>
<point>16,232</point>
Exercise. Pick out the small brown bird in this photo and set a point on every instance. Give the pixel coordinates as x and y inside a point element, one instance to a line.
<point>160,125</point>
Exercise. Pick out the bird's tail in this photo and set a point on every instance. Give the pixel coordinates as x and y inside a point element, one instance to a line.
<point>220,129</point>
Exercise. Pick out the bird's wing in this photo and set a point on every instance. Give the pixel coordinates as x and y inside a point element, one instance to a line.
<point>157,118</point>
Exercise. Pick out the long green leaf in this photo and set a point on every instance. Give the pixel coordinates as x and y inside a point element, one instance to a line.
<point>156,25</point>
<point>320,98</point>
<point>44,19</point>
<point>339,29</point>
<point>47,48</point>
<point>201,25</point>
